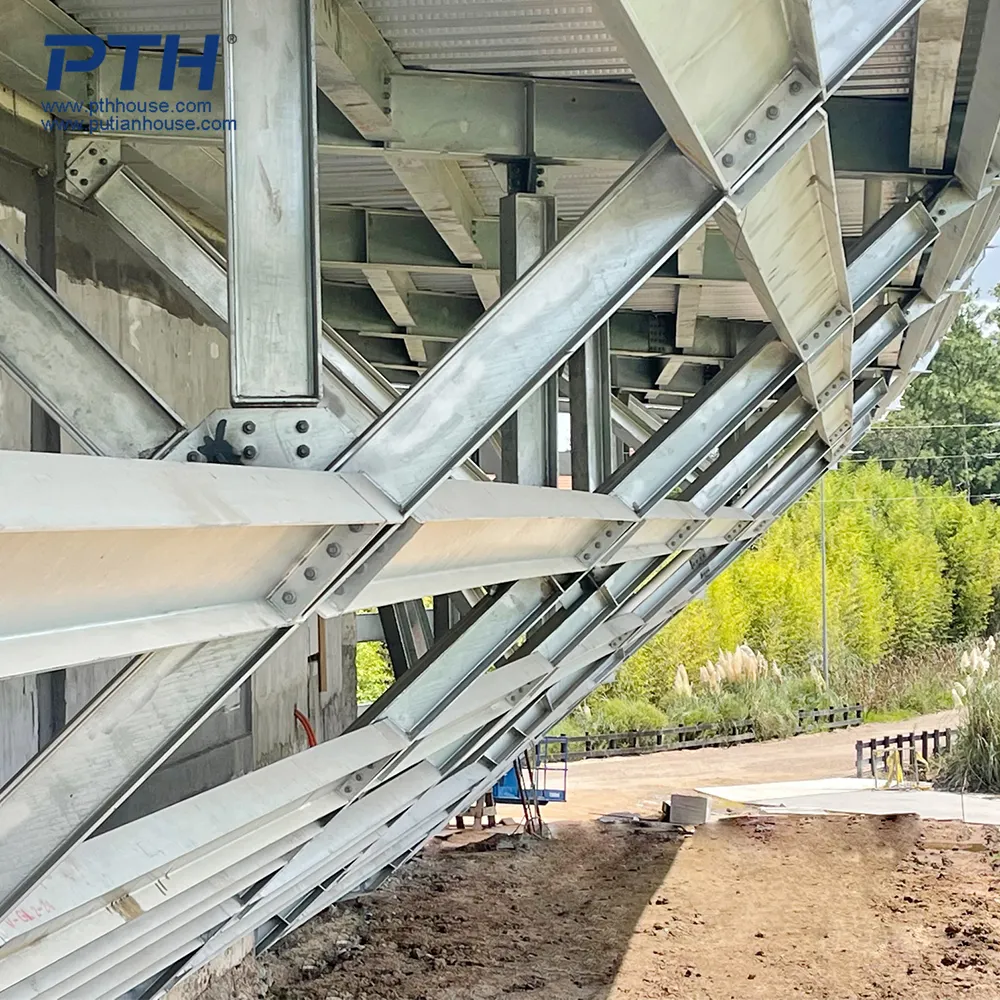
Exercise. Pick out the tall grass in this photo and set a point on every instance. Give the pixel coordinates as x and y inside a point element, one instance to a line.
<point>973,764</point>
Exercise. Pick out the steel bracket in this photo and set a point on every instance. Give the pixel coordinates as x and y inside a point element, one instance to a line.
<point>821,336</point>
<point>832,391</point>
<point>269,437</point>
<point>951,202</point>
<point>765,124</point>
<point>89,163</point>
<point>614,535</point>
<point>683,533</point>
<point>321,568</point>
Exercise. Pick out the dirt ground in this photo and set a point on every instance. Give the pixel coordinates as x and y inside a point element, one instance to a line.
<point>750,908</point>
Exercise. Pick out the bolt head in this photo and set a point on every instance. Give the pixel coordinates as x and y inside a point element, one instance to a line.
<point>302,426</point>
<point>749,136</point>
<point>333,550</point>
<point>772,112</point>
<point>288,597</point>
<point>795,87</point>
<point>193,456</point>
<point>249,452</point>
<point>348,788</point>
<point>727,160</point>
<point>355,528</point>
<point>302,451</point>
<point>249,427</point>
<point>310,573</point>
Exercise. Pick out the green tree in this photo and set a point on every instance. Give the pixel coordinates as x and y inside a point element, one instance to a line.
<point>935,434</point>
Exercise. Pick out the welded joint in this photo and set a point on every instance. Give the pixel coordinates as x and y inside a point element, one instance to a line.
<point>89,163</point>
<point>822,335</point>
<point>608,541</point>
<point>764,125</point>
<point>320,568</point>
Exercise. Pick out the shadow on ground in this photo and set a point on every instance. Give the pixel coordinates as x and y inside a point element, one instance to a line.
<point>550,919</point>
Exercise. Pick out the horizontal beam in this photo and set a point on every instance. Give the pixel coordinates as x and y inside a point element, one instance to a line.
<point>108,557</point>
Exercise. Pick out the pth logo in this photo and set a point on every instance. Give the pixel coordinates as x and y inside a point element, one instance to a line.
<point>132,45</point>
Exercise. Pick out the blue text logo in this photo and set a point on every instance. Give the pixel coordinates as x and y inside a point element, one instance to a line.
<point>132,45</point>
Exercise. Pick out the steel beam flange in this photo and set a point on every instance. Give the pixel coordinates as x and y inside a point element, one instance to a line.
<point>821,336</point>
<point>89,163</point>
<point>765,124</point>
<point>283,437</point>
<point>918,305</point>
<point>320,568</point>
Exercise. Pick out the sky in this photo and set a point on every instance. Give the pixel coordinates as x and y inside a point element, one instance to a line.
<point>987,274</point>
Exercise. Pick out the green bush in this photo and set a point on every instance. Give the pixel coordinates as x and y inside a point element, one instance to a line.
<point>973,763</point>
<point>374,672</point>
<point>910,566</point>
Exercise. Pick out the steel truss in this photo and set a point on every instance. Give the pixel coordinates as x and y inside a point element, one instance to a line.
<point>354,497</point>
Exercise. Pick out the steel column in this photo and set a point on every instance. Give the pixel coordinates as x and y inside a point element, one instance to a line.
<point>529,438</point>
<point>274,283</point>
<point>590,412</point>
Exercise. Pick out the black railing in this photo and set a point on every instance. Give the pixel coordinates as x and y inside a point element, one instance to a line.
<point>560,749</point>
<point>870,754</point>
<point>830,718</point>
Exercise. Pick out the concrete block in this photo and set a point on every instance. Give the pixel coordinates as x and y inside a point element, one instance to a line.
<point>689,809</point>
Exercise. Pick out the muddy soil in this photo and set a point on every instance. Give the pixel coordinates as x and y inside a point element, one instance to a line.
<point>866,908</point>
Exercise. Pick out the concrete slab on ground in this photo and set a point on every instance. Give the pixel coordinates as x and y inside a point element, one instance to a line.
<point>858,795</point>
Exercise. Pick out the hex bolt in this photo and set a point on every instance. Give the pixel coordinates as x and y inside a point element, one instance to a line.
<point>302,426</point>
<point>609,534</point>
<point>193,456</point>
<point>310,573</point>
<point>84,182</point>
<point>347,788</point>
<point>597,545</point>
<point>728,160</point>
<point>750,137</point>
<point>772,112</point>
<point>73,172</point>
<point>249,427</point>
<point>249,452</point>
<point>288,597</point>
<point>339,592</point>
<point>103,161</point>
<point>355,528</point>
<point>826,323</point>
<point>92,151</point>
<point>586,557</point>
<point>540,184</point>
<point>333,550</point>
<point>795,87</point>
<point>358,777</point>
<point>302,451</point>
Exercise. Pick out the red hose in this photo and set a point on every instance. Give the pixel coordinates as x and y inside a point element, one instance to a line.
<point>307,726</point>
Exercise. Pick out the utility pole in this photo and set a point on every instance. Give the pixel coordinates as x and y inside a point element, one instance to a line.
<point>822,577</point>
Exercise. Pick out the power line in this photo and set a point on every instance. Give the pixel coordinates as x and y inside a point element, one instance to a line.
<point>926,458</point>
<point>930,427</point>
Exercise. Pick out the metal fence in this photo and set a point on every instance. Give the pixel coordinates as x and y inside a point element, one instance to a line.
<point>870,754</point>
<point>591,745</point>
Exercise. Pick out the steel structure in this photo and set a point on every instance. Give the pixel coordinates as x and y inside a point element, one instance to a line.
<point>412,203</point>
